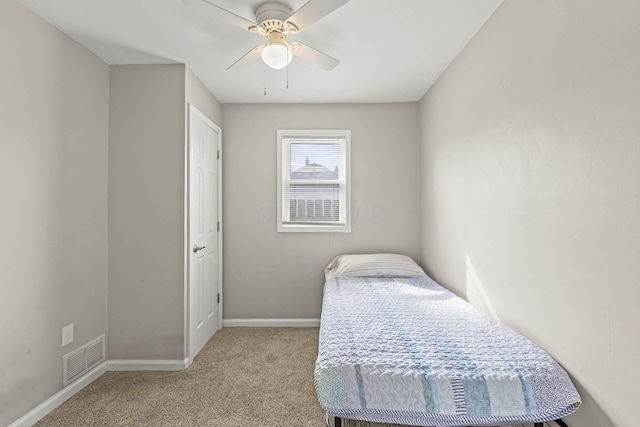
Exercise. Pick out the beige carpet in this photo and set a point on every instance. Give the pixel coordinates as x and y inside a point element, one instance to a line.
<point>243,377</point>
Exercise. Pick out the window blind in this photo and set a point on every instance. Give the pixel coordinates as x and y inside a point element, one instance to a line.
<point>314,181</point>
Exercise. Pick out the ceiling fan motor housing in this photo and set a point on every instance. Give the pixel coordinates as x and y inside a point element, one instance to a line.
<point>272,11</point>
<point>272,18</point>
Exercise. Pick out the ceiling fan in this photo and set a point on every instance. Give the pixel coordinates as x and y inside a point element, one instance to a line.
<point>276,22</point>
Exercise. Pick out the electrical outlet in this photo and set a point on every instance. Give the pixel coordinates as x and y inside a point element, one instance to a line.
<point>67,335</point>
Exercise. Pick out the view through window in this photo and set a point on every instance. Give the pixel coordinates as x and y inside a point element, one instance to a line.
<point>314,187</point>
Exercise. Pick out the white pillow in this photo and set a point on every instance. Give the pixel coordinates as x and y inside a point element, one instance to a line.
<point>373,265</point>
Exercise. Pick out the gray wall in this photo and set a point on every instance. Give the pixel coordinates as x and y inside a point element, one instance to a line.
<point>280,275</point>
<point>53,204</point>
<point>530,184</point>
<point>147,207</point>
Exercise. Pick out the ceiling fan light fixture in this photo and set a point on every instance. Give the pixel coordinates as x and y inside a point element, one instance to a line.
<point>277,56</point>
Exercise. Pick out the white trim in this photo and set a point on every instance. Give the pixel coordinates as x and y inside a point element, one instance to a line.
<point>271,323</point>
<point>43,409</point>
<point>148,365</point>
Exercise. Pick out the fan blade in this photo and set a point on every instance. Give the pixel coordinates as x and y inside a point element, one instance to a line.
<point>312,11</point>
<point>314,56</point>
<point>247,58</point>
<point>233,18</point>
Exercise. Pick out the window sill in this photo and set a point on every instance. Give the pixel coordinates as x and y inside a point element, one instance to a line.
<point>306,228</point>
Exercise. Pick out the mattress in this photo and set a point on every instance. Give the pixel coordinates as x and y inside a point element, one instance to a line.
<point>407,351</point>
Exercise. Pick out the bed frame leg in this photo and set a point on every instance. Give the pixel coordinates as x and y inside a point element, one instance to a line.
<point>539,425</point>
<point>337,422</point>
<point>561,423</point>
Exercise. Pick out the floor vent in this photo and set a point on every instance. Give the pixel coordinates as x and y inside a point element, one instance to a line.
<point>82,360</point>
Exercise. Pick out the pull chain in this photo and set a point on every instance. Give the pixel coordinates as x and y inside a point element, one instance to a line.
<point>264,71</point>
<point>288,60</point>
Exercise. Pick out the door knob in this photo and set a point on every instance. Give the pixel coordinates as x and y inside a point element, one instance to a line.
<point>197,248</point>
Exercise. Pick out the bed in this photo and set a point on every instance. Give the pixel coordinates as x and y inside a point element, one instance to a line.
<point>395,347</point>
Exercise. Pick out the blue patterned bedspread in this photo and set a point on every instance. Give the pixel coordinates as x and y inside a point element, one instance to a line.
<point>408,351</point>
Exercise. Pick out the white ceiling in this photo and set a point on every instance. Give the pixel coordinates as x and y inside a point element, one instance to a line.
<point>389,51</point>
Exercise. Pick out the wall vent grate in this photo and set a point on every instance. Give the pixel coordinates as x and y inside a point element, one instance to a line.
<point>80,361</point>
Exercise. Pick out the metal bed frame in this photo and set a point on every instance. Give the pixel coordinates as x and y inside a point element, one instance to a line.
<point>338,423</point>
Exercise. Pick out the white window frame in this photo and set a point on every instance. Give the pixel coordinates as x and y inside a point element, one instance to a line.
<point>282,203</point>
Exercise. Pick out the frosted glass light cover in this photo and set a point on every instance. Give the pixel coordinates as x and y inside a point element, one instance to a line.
<point>276,56</point>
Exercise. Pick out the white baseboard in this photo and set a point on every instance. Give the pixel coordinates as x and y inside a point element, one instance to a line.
<point>63,395</point>
<point>37,413</point>
<point>147,365</point>
<point>271,323</point>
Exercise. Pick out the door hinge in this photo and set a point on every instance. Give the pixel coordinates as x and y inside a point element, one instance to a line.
<point>218,225</point>
<point>218,298</point>
<point>218,154</point>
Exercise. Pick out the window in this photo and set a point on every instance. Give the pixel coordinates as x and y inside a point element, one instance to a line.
<point>313,181</point>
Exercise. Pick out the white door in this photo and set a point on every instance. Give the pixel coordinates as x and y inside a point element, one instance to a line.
<point>204,235</point>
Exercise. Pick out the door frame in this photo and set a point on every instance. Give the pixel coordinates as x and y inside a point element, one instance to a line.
<point>193,111</point>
